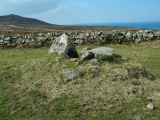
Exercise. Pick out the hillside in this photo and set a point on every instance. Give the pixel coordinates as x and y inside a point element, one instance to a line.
<point>15,20</point>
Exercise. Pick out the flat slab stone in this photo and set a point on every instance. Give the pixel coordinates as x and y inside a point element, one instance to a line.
<point>103,53</point>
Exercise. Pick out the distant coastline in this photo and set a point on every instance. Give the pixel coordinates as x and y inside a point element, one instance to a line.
<point>145,25</point>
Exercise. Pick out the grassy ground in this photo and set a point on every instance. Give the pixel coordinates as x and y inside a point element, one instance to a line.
<point>10,59</point>
<point>147,56</point>
<point>24,96</point>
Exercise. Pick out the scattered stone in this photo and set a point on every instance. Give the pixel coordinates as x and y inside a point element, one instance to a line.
<point>123,72</point>
<point>94,62</point>
<point>70,74</point>
<point>150,106</point>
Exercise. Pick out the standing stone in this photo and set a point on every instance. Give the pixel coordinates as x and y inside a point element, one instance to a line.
<point>64,44</point>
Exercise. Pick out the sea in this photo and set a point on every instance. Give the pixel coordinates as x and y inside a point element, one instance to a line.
<point>145,25</point>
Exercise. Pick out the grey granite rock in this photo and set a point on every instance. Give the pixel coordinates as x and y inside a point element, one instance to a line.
<point>103,53</point>
<point>69,74</point>
<point>64,44</point>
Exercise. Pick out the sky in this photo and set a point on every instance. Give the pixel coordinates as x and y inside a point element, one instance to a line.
<point>67,12</point>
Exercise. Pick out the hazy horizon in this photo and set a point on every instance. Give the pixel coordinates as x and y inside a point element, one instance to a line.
<point>65,12</point>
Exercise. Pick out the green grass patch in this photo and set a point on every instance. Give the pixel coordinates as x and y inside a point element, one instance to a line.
<point>148,57</point>
<point>30,88</point>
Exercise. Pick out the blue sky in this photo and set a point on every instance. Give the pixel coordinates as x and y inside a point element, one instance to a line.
<point>84,11</point>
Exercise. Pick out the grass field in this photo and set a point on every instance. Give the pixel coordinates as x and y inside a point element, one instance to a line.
<point>23,103</point>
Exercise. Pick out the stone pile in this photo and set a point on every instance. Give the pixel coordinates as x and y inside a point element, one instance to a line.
<point>94,37</point>
<point>101,55</point>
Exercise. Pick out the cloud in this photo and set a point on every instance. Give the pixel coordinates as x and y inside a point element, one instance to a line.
<point>85,5</point>
<point>50,15</point>
<point>26,7</point>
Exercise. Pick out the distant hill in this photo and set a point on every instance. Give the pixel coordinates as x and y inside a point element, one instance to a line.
<point>18,24</point>
<point>16,20</point>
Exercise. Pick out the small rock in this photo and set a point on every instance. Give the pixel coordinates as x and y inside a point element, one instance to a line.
<point>150,106</point>
<point>69,74</point>
<point>123,72</point>
<point>94,62</point>
<point>13,112</point>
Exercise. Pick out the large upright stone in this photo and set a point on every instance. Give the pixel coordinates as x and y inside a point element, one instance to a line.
<point>64,45</point>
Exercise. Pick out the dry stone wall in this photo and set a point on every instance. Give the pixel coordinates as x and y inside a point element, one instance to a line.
<point>94,37</point>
